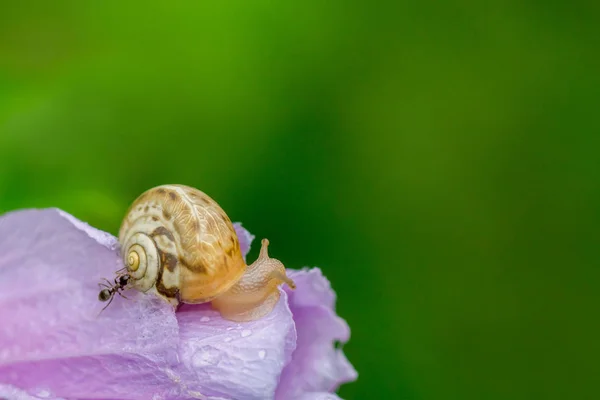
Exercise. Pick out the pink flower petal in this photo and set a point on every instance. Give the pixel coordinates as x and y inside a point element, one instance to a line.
<point>9,392</point>
<point>52,340</point>
<point>244,237</point>
<point>242,361</point>
<point>317,366</point>
<point>53,337</point>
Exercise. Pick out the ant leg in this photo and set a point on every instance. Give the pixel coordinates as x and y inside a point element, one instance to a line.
<point>123,296</point>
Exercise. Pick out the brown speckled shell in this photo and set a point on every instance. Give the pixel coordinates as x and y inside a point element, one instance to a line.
<point>199,243</point>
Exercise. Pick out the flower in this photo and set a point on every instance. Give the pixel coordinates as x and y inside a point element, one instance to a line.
<point>55,342</point>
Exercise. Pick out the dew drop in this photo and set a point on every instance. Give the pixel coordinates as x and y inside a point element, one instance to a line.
<point>205,357</point>
<point>230,328</point>
<point>204,319</point>
<point>246,332</point>
<point>262,354</point>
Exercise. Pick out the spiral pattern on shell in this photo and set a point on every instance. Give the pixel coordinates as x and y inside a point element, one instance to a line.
<point>178,241</point>
<point>141,257</point>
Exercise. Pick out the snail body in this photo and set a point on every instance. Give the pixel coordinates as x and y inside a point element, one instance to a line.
<point>179,244</point>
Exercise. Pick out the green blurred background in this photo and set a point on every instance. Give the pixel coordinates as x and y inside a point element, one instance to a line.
<point>438,160</point>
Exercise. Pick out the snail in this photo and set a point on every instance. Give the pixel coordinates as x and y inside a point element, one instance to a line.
<point>179,244</point>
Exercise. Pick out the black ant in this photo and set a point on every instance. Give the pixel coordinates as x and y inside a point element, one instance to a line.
<point>109,291</point>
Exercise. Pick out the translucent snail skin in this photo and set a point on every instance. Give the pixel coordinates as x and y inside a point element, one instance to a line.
<point>179,244</point>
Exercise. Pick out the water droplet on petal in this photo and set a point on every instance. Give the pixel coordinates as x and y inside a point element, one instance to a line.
<point>206,356</point>
<point>262,354</point>
<point>230,328</point>
<point>246,332</point>
<point>204,319</point>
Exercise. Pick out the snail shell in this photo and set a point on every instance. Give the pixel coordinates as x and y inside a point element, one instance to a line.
<point>178,242</point>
